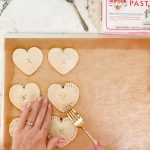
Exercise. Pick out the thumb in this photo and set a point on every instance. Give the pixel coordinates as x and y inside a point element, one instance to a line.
<point>54,142</point>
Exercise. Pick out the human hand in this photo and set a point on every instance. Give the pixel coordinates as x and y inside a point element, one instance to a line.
<point>97,146</point>
<point>32,131</point>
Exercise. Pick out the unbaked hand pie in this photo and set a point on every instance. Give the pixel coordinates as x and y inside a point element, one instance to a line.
<point>62,96</point>
<point>63,61</point>
<point>58,127</point>
<point>13,125</point>
<point>21,95</point>
<point>64,128</point>
<point>28,61</point>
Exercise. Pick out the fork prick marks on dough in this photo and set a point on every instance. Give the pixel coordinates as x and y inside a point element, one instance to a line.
<point>61,131</point>
<point>29,60</point>
<point>63,61</point>
<point>24,98</point>
<point>63,96</point>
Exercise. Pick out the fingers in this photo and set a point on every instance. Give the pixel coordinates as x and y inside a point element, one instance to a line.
<point>47,120</point>
<point>34,111</point>
<point>24,117</point>
<point>41,114</point>
<point>97,146</point>
<point>53,143</point>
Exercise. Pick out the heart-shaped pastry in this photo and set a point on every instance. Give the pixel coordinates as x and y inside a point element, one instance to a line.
<point>63,96</point>
<point>64,128</point>
<point>59,127</point>
<point>21,95</point>
<point>63,60</point>
<point>13,125</point>
<point>28,61</point>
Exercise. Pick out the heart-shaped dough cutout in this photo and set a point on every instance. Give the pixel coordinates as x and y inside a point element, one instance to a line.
<point>63,96</point>
<point>63,60</point>
<point>13,126</point>
<point>64,128</point>
<point>59,127</point>
<point>28,61</point>
<point>21,95</point>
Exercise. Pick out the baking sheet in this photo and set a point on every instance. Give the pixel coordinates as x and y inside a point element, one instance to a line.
<point>113,76</point>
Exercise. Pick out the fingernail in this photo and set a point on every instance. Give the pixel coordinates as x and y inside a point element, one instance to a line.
<point>38,99</point>
<point>61,140</point>
<point>46,101</point>
<point>49,105</point>
<point>96,142</point>
<point>28,105</point>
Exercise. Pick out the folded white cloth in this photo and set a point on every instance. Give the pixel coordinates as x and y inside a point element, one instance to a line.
<point>44,16</point>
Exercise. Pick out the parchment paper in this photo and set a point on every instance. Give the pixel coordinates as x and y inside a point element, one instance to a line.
<point>113,76</point>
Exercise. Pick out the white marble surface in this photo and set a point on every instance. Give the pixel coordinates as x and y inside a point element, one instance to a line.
<point>54,18</point>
